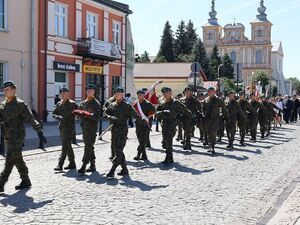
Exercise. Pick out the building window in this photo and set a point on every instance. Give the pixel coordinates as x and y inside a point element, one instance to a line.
<point>3,15</point>
<point>259,57</point>
<point>115,82</point>
<point>60,20</point>
<point>260,33</point>
<point>233,57</point>
<point>91,26</point>
<point>210,36</point>
<point>116,33</point>
<point>3,74</point>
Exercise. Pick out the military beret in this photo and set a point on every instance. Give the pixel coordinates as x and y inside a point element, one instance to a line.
<point>211,89</point>
<point>241,93</point>
<point>187,89</point>
<point>231,92</point>
<point>145,89</point>
<point>91,86</point>
<point>166,89</point>
<point>64,90</point>
<point>118,89</point>
<point>9,83</point>
<point>140,92</point>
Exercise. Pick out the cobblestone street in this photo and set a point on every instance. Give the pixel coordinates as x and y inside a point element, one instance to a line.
<point>234,187</point>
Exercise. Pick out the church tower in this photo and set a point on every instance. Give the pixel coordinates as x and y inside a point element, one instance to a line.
<point>212,31</point>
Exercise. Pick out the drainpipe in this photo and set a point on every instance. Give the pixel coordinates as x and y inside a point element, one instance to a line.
<point>45,113</point>
<point>32,71</point>
<point>126,32</point>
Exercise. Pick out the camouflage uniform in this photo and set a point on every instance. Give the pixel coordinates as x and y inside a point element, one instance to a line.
<point>243,121</point>
<point>13,115</point>
<point>269,107</point>
<point>143,129</point>
<point>105,106</point>
<point>194,106</point>
<point>211,113</point>
<point>63,113</point>
<point>258,114</point>
<point>89,129</point>
<point>235,111</point>
<point>121,111</point>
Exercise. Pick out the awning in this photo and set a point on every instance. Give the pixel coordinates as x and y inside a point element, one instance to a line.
<point>207,84</point>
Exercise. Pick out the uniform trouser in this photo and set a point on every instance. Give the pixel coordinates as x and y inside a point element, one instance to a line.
<point>230,130</point>
<point>211,128</point>
<point>205,131</point>
<point>187,135</point>
<point>112,145</point>
<point>243,129</point>
<point>168,132</point>
<point>142,134</point>
<point>221,128</point>
<point>67,150</point>
<point>179,136</point>
<point>13,158</point>
<point>119,140</point>
<point>201,128</point>
<point>89,138</point>
<point>253,127</point>
<point>269,123</point>
<point>263,126</point>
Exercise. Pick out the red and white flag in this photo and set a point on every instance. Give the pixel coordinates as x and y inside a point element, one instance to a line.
<point>151,95</point>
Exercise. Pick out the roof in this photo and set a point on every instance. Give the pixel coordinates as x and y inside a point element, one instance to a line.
<point>116,5</point>
<point>277,47</point>
<point>180,70</point>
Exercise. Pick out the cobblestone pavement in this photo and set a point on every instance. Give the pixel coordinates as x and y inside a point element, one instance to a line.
<point>234,187</point>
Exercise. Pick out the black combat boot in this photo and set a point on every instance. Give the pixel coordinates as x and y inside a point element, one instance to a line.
<point>111,173</point>
<point>82,169</point>
<point>144,156</point>
<point>219,140</point>
<point>71,166</point>
<point>1,189</point>
<point>138,156</point>
<point>24,184</point>
<point>58,168</point>
<point>124,171</point>
<point>92,168</point>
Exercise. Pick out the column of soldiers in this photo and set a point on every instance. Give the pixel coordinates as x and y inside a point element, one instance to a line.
<point>210,112</point>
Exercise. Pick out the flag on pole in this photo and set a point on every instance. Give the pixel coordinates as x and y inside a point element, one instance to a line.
<point>151,95</point>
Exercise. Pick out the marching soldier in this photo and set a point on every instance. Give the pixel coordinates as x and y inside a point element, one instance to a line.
<point>118,113</point>
<point>242,122</point>
<point>179,122</point>
<point>200,122</point>
<point>63,113</point>
<point>89,112</point>
<point>259,112</point>
<point>145,109</point>
<point>211,110</point>
<point>235,111</point>
<point>167,111</point>
<point>220,131</point>
<point>194,106</point>
<point>13,114</point>
<point>269,107</point>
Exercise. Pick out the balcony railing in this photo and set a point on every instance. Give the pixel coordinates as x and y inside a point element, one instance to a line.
<point>96,49</point>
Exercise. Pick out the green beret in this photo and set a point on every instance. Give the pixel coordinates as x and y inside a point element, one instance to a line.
<point>241,93</point>
<point>91,86</point>
<point>64,90</point>
<point>211,89</point>
<point>118,89</point>
<point>231,92</point>
<point>145,89</point>
<point>187,89</point>
<point>140,92</point>
<point>9,83</point>
<point>165,90</point>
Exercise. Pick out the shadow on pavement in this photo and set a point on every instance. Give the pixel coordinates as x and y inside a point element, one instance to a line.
<point>22,202</point>
<point>128,182</point>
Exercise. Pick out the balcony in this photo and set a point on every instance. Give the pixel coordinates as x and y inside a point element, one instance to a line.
<point>256,66</point>
<point>96,49</point>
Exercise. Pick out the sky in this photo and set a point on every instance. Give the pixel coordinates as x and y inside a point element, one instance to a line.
<point>149,17</point>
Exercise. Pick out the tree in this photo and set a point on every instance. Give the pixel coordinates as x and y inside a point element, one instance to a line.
<point>215,61</point>
<point>181,41</point>
<point>227,69</point>
<point>167,44</point>
<point>160,59</point>
<point>295,84</point>
<point>145,57</point>
<point>228,85</point>
<point>262,78</point>
<point>199,55</point>
<point>274,91</point>
<point>192,36</point>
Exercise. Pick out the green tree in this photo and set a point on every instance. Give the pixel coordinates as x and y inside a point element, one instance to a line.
<point>215,61</point>
<point>166,49</point>
<point>192,36</point>
<point>160,59</point>
<point>262,78</point>
<point>199,55</point>
<point>184,58</point>
<point>227,69</point>
<point>295,84</point>
<point>229,85</point>
<point>181,40</point>
<point>145,57</point>
<point>274,91</point>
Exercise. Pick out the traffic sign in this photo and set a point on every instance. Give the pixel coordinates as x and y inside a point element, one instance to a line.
<point>196,67</point>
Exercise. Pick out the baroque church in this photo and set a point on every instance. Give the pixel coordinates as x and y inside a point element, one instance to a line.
<point>248,55</point>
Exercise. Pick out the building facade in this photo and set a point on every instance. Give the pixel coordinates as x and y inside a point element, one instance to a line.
<point>18,47</point>
<point>249,55</point>
<point>80,42</point>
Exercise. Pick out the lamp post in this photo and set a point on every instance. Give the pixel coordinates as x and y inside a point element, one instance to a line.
<point>219,67</point>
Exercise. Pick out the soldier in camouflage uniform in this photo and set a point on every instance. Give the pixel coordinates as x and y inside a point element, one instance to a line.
<point>118,113</point>
<point>259,111</point>
<point>200,121</point>
<point>269,107</point>
<point>242,122</point>
<point>142,128</point>
<point>194,106</point>
<point>235,111</point>
<point>167,111</point>
<point>179,120</point>
<point>220,131</point>
<point>13,114</point>
<point>63,112</point>
<point>89,112</point>
<point>211,111</point>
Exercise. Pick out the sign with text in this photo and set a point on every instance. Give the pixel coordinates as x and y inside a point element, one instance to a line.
<point>105,49</point>
<point>70,67</point>
<point>93,69</point>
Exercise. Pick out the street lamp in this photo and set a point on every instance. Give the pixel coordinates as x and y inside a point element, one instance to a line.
<point>219,67</point>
